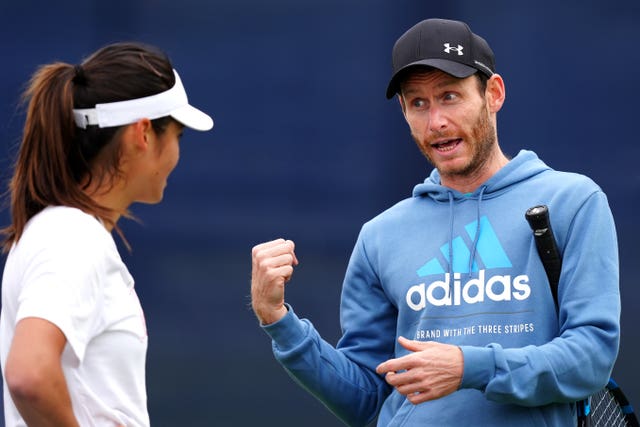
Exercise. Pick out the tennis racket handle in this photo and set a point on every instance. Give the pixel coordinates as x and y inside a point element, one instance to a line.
<point>584,414</point>
<point>538,219</point>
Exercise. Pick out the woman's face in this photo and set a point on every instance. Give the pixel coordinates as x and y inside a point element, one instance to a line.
<point>147,178</point>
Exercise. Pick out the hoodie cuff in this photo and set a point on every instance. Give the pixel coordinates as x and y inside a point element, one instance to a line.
<point>479,367</point>
<point>287,332</point>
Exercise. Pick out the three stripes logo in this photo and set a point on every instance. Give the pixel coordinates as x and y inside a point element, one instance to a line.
<point>489,250</point>
<point>452,290</point>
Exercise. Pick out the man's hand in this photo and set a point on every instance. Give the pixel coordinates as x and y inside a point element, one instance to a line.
<point>272,267</point>
<point>433,370</point>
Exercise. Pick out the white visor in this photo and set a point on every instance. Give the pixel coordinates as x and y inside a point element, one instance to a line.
<point>172,102</point>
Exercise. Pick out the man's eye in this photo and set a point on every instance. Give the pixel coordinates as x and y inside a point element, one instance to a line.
<point>450,96</point>
<point>418,103</point>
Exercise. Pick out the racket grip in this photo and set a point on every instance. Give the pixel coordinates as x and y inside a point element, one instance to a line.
<point>538,219</point>
<point>584,413</point>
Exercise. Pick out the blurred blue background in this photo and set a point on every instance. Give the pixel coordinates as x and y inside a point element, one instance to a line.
<point>305,146</point>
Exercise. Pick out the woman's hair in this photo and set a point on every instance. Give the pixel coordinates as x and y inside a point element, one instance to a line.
<point>57,160</point>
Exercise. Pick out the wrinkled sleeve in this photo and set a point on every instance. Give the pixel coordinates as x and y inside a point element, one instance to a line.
<point>343,378</point>
<point>62,285</point>
<point>580,359</point>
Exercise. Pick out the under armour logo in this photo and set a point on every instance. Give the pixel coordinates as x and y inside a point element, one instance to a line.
<point>448,48</point>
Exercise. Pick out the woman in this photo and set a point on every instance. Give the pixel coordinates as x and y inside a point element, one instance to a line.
<point>98,137</point>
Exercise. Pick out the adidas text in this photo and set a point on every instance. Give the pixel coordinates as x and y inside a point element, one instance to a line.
<point>443,293</point>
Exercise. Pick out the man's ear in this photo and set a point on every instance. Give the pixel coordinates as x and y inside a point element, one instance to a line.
<point>495,93</point>
<point>403,106</point>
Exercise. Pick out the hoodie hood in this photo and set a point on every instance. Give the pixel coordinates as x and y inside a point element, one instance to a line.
<point>525,165</point>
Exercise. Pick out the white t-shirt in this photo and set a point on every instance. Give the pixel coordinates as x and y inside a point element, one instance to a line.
<point>66,269</point>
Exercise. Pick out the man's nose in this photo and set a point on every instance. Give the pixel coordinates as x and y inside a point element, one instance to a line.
<point>437,119</point>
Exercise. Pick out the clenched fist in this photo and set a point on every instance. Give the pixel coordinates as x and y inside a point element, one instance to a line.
<point>272,267</point>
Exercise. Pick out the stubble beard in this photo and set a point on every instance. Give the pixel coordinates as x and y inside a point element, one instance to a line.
<point>482,143</point>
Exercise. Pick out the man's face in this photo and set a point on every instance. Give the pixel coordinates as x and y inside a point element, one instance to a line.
<point>450,122</point>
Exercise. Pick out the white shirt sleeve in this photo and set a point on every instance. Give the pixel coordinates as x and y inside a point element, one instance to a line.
<point>62,285</point>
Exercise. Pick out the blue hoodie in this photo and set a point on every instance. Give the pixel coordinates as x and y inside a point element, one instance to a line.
<point>463,269</point>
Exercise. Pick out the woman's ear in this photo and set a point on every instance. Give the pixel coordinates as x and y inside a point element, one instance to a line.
<point>136,139</point>
<point>138,135</point>
<point>495,93</point>
<point>144,131</point>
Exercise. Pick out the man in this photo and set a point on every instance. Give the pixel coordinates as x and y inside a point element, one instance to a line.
<point>446,311</point>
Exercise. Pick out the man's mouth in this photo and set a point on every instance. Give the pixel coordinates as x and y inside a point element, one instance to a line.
<point>446,145</point>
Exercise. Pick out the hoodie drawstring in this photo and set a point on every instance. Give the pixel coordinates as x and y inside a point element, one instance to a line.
<point>450,233</point>
<point>450,267</point>
<point>476,238</point>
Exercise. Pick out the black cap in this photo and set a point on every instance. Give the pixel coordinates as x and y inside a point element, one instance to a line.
<point>447,45</point>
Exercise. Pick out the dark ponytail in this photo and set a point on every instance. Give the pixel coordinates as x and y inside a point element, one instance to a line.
<point>58,160</point>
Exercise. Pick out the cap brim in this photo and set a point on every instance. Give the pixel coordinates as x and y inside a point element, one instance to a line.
<point>192,118</point>
<point>456,69</point>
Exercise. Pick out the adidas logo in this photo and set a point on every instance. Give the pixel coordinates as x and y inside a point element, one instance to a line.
<point>452,291</point>
<point>489,250</point>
